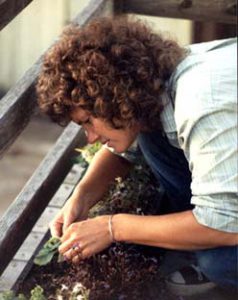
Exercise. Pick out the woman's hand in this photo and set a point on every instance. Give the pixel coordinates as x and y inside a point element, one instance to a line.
<point>83,239</point>
<point>76,208</point>
<point>102,171</point>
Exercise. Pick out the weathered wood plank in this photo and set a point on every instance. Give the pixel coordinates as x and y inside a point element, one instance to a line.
<point>19,103</point>
<point>42,225</point>
<point>29,246</point>
<point>28,206</point>
<point>223,11</point>
<point>67,187</point>
<point>95,9</point>
<point>62,195</point>
<point>11,274</point>
<point>75,174</point>
<point>17,107</point>
<point>22,261</point>
<point>9,9</point>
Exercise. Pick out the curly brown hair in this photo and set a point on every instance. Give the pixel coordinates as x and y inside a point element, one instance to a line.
<point>114,68</point>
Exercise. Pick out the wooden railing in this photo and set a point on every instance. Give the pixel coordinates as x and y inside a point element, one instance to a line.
<point>9,9</point>
<point>31,202</point>
<point>223,11</point>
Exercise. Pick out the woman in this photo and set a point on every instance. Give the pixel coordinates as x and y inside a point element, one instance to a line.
<point>122,83</point>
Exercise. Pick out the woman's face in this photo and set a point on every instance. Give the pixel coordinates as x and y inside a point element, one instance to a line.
<point>99,130</point>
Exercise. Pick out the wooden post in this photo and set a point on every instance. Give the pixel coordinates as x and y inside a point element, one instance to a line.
<point>118,7</point>
<point>223,11</point>
<point>9,9</point>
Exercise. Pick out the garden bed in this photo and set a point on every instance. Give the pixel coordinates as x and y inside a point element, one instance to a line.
<point>123,271</point>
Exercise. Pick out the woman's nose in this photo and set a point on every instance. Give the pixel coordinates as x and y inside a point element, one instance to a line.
<point>92,136</point>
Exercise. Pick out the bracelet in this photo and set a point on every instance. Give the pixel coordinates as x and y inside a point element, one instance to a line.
<point>110,228</point>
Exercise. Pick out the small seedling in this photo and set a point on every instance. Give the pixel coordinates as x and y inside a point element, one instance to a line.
<point>36,294</point>
<point>88,152</point>
<point>48,251</point>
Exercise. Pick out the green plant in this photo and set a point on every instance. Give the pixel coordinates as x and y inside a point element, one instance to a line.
<point>88,152</point>
<point>10,295</point>
<point>122,271</point>
<point>36,294</point>
<point>48,251</point>
<point>125,196</point>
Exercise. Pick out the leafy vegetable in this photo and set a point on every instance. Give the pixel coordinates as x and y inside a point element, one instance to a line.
<point>10,295</point>
<point>46,254</point>
<point>36,294</point>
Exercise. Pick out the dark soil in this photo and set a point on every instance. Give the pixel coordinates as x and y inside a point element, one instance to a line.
<point>122,271</point>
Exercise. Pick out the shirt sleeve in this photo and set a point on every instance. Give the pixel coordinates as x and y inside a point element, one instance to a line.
<point>206,119</point>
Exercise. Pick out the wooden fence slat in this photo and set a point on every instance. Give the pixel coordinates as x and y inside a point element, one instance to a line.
<point>95,9</point>
<point>17,222</point>
<point>19,103</point>
<point>30,244</point>
<point>22,262</point>
<point>75,174</point>
<point>11,274</point>
<point>9,9</point>
<point>42,224</point>
<point>223,11</point>
<point>23,259</point>
<point>62,195</point>
<point>17,107</point>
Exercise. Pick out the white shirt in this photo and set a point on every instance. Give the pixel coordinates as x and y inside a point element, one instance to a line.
<point>205,124</point>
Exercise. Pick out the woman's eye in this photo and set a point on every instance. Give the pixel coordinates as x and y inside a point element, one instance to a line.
<point>87,121</point>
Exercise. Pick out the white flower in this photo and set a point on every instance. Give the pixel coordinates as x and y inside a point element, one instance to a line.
<point>64,287</point>
<point>78,288</point>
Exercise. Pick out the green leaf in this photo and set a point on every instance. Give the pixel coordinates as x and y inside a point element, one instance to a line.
<point>10,295</point>
<point>37,293</point>
<point>52,243</point>
<point>88,152</point>
<point>48,251</point>
<point>43,252</point>
<point>21,297</point>
<point>43,260</point>
<point>7,295</point>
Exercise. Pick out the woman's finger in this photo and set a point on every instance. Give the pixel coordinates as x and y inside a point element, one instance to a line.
<point>66,246</point>
<point>73,251</point>
<point>67,222</point>
<point>69,245</point>
<point>70,232</point>
<point>77,258</point>
<point>56,228</point>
